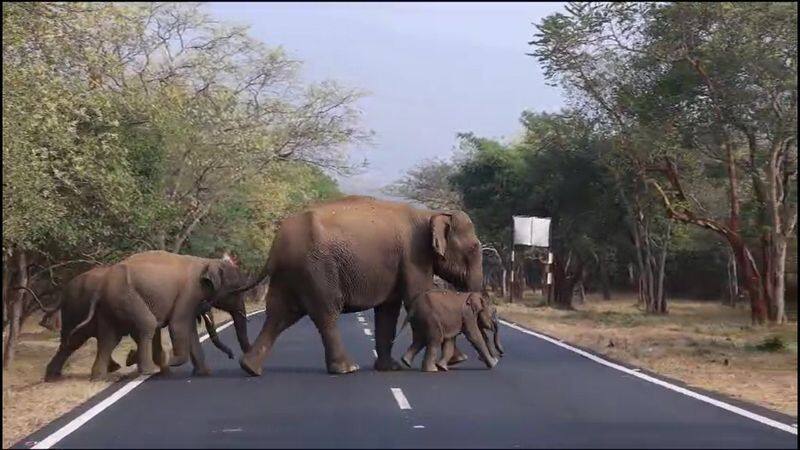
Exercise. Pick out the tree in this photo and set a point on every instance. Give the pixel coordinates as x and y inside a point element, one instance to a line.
<point>427,183</point>
<point>126,126</point>
<point>694,93</point>
<point>556,171</point>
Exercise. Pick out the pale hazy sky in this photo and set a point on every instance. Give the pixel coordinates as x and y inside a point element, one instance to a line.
<point>431,69</point>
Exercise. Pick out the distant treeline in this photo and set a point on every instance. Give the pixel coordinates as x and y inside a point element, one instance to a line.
<point>677,156</point>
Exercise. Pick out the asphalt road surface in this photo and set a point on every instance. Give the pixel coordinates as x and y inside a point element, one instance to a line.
<point>540,395</point>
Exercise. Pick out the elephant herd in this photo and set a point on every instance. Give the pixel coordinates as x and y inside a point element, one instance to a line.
<point>336,257</point>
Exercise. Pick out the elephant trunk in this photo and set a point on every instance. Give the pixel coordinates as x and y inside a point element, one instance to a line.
<point>496,338</point>
<point>240,324</point>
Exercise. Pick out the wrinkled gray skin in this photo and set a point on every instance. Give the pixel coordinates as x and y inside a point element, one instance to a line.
<point>439,316</point>
<point>73,307</point>
<point>358,253</point>
<point>208,319</point>
<point>150,290</point>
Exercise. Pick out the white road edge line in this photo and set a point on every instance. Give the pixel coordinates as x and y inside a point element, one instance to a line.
<point>79,421</point>
<point>670,386</point>
<point>374,352</point>
<point>400,398</point>
<point>367,331</point>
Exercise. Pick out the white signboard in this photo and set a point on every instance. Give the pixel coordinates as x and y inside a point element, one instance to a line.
<point>534,231</point>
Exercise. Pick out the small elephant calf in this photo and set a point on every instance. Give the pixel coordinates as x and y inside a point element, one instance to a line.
<point>437,316</point>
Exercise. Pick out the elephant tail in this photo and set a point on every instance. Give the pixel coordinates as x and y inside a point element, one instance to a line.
<point>265,273</point>
<point>36,298</point>
<point>406,321</point>
<point>92,308</point>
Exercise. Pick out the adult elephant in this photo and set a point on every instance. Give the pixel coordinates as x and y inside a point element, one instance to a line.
<point>145,292</point>
<point>358,253</point>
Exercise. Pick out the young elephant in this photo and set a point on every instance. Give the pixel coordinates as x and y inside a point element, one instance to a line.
<point>437,316</point>
<point>150,290</point>
<point>207,317</point>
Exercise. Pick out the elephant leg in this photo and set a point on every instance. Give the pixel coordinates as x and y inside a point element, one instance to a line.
<point>107,341</point>
<point>279,316</point>
<point>447,352</point>
<point>146,336</point>
<point>431,349</point>
<point>413,349</point>
<point>196,353</point>
<point>336,358</point>
<point>159,355</point>
<point>181,344</point>
<point>386,316</point>
<point>476,339</point>
<point>458,356</point>
<point>67,347</point>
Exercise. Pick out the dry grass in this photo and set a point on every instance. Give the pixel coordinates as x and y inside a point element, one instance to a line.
<point>703,344</point>
<point>29,403</point>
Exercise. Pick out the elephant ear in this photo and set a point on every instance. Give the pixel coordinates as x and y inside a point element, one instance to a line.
<point>475,303</point>
<point>212,277</point>
<point>440,226</point>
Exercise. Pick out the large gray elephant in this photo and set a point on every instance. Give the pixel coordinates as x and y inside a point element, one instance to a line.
<point>438,316</point>
<point>150,290</point>
<point>358,253</point>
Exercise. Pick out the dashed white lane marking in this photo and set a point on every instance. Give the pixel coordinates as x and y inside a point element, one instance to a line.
<point>79,421</point>
<point>375,353</point>
<point>672,387</point>
<point>361,319</point>
<point>419,426</point>
<point>367,331</point>
<point>400,398</point>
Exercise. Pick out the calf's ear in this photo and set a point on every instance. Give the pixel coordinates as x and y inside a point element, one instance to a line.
<point>211,278</point>
<point>475,302</point>
<point>440,224</point>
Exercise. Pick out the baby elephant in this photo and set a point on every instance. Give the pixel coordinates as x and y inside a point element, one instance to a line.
<point>438,316</point>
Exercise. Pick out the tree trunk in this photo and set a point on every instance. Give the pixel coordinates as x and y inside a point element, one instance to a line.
<point>662,295</point>
<point>779,277</point>
<point>9,346</point>
<point>6,284</point>
<point>733,280</point>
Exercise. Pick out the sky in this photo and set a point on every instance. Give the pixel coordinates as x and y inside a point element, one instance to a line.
<point>431,70</point>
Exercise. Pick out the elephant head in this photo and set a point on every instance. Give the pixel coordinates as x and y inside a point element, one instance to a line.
<point>456,250</point>
<point>223,280</point>
<point>487,320</point>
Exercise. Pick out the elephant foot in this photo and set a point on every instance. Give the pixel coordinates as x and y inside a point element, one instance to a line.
<point>387,365</point>
<point>148,369</point>
<point>101,377</point>
<point>456,359</point>
<point>442,365</point>
<point>339,368</point>
<point>247,365</point>
<point>176,361</point>
<point>113,366</point>
<point>51,377</point>
<point>431,368</point>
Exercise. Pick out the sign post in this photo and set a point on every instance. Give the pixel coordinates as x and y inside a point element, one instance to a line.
<point>531,232</point>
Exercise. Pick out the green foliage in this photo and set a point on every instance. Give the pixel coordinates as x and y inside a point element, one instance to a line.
<point>136,126</point>
<point>246,223</point>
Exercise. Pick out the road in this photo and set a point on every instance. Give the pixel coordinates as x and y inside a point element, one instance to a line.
<point>540,395</point>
